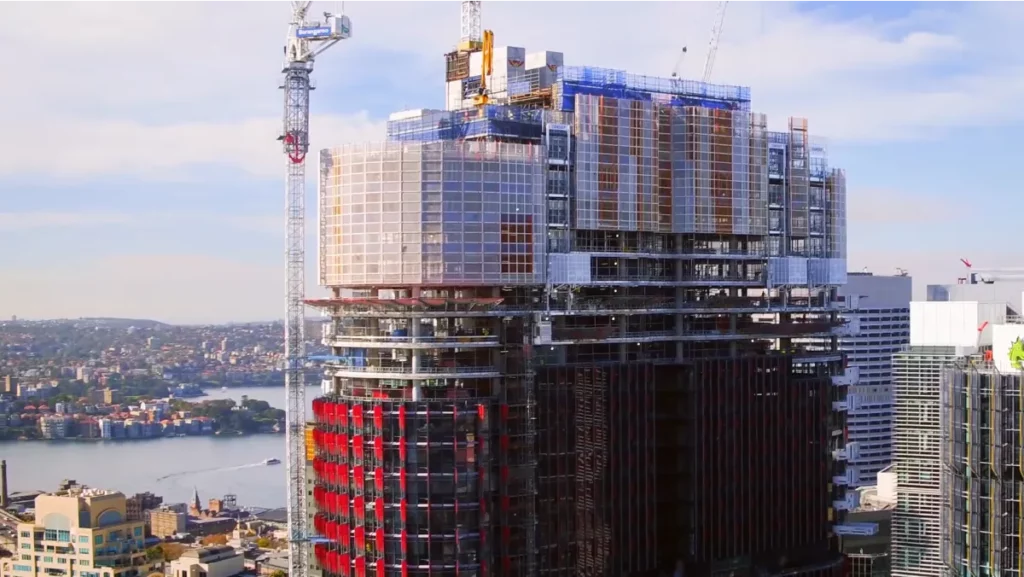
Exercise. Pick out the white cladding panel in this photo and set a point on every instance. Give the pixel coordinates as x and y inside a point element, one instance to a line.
<point>953,323</point>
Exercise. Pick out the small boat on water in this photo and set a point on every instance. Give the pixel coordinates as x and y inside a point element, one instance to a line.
<point>272,462</point>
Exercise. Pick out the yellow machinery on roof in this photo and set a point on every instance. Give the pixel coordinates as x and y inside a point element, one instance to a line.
<point>486,68</point>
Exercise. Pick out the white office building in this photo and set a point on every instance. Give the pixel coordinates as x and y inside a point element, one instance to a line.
<point>877,309</point>
<point>940,333</point>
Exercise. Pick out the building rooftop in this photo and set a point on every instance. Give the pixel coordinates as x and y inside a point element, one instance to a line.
<point>279,515</point>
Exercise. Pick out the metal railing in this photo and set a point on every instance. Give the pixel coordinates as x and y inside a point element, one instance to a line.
<point>454,339</point>
<point>408,369</point>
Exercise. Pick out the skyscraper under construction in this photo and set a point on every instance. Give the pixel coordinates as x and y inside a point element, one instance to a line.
<point>582,324</point>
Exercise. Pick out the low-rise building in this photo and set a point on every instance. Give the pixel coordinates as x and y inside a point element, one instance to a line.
<point>211,526</point>
<point>165,522</point>
<point>217,561</point>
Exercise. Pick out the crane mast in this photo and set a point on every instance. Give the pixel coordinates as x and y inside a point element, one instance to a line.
<point>469,26</point>
<point>306,39</point>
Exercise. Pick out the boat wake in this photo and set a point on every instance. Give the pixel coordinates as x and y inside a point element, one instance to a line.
<point>211,470</point>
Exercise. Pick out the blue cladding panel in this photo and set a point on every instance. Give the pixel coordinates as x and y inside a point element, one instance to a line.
<point>491,120</point>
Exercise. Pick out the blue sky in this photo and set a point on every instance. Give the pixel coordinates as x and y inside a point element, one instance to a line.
<point>140,175</point>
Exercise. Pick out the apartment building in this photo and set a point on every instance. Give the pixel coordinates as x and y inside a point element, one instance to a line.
<point>81,532</point>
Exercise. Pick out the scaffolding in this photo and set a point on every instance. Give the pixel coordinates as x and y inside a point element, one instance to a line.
<point>982,455</point>
<point>508,123</point>
<point>558,88</point>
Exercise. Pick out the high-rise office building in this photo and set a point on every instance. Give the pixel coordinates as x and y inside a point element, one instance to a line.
<point>82,532</point>
<point>940,334</point>
<point>983,452</point>
<point>877,308</point>
<point>589,328</point>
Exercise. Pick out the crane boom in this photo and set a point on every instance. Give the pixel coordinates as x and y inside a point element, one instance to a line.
<point>716,32</point>
<point>305,40</point>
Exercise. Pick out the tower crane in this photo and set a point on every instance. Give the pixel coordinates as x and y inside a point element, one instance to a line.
<point>716,32</point>
<point>306,39</point>
<point>486,68</point>
<point>470,26</point>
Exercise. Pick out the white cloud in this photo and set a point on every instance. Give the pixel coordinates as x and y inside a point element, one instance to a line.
<point>89,147</point>
<point>10,221</point>
<point>208,72</point>
<point>150,89</point>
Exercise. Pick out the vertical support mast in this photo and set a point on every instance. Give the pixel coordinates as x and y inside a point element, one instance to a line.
<point>296,142</point>
<point>305,41</point>
<point>470,29</point>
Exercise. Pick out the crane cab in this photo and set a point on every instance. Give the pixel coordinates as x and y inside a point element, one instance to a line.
<point>340,25</point>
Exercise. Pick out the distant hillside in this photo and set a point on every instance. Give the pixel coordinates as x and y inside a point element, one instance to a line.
<point>124,323</point>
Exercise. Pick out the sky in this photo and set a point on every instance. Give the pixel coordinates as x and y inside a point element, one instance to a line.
<point>140,174</point>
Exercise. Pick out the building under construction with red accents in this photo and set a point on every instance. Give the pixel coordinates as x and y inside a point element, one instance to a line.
<point>587,329</point>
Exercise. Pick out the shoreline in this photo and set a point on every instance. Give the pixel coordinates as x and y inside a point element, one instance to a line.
<point>141,439</point>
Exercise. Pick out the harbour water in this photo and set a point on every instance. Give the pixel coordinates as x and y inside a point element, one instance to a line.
<point>171,468</point>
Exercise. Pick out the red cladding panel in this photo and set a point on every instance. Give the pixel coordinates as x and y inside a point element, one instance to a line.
<point>343,415</point>
<point>401,418</point>
<point>360,509</point>
<point>357,417</point>
<point>378,448</point>
<point>378,417</point>
<point>380,539</point>
<point>378,509</point>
